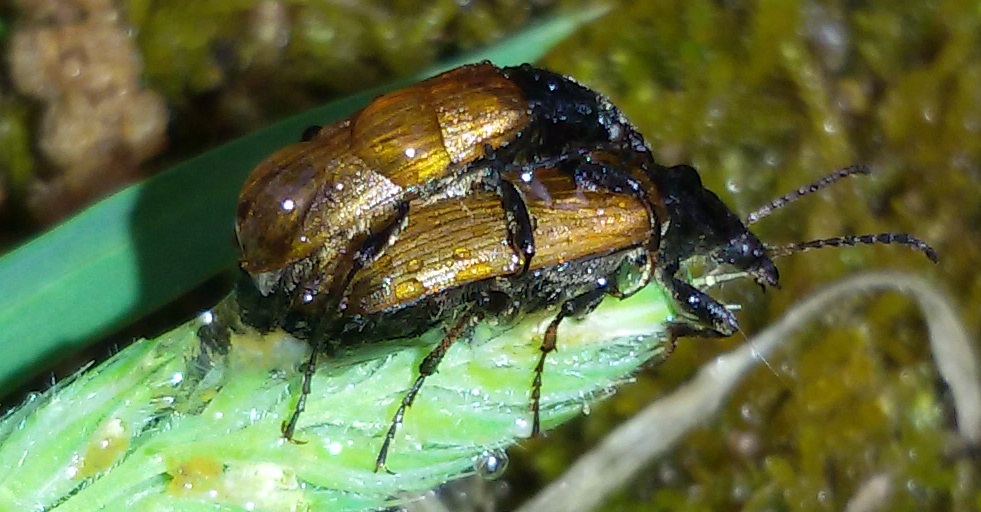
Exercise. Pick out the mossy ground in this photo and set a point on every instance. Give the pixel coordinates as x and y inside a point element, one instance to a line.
<point>762,99</point>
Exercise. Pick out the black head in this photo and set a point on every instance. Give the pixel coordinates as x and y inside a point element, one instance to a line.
<point>702,225</point>
<point>745,252</point>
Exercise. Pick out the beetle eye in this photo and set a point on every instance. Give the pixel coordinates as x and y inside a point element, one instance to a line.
<point>746,253</point>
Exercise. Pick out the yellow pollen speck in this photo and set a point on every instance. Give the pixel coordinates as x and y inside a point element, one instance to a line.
<point>195,476</point>
<point>108,444</point>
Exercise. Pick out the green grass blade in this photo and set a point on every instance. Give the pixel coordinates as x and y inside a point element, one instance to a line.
<point>177,424</point>
<point>142,247</point>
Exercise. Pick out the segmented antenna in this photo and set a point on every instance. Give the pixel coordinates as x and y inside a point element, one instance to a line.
<point>838,241</point>
<point>716,278</point>
<point>853,240</point>
<point>824,182</point>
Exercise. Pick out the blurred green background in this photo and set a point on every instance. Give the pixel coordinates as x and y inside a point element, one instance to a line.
<point>760,96</point>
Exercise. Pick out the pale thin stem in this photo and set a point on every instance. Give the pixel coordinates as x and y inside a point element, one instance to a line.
<point>651,433</point>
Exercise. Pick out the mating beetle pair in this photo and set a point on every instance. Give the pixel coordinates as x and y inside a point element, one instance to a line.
<point>482,191</point>
<point>314,213</point>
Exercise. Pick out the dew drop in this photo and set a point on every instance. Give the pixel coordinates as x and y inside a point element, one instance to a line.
<point>824,496</point>
<point>733,186</point>
<point>308,296</point>
<point>750,414</point>
<point>522,427</point>
<point>409,289</point>
<point>491,464</point>
<point>830,126</point>
<point>176,378</point>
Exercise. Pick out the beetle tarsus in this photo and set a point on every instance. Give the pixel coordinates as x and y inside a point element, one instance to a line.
<point>579,305</point>
<point>428,367</point>
<point>288,427</point>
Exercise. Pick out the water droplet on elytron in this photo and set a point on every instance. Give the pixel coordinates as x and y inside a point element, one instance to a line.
<point>409,289</point>
<point>491,464</point>
<point>474,272</point>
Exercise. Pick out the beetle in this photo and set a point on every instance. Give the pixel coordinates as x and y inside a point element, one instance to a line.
<point>317,217</point>
<point>453,264</point>
<point>453,260</point>
<point>313,213</point>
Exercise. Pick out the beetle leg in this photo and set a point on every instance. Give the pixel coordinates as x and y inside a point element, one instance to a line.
<point>288,428</point>
<point>371,249</point>
<point>426,368</point>
<point>711,318</point>
<point>521,232</point>
<point>577,306</point>
<point>521,229</point>
<point>600,176</point>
